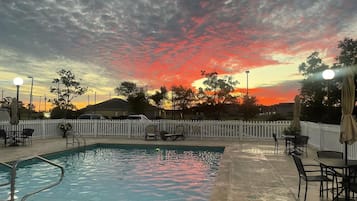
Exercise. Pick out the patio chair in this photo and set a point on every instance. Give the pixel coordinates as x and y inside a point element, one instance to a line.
<point>178,133</point>
<point>309,175</point>
<point>26,135</point>
<point>336,176</point>
<point>353,181</point>
<point>276,147</point>
<point>151,131</point>
<point>3,135</point>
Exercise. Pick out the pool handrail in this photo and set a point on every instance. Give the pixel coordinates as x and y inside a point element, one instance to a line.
<point>9,166</point>
<point>75,136</point>
<point>13,177</point>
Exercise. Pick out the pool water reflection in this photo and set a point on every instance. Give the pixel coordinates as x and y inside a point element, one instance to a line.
<point>128,173</point>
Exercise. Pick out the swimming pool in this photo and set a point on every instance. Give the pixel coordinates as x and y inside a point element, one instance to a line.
<point>122,172</point>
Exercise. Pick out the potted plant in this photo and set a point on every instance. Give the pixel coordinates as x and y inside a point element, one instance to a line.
<point>65,127</point>
<point>291,131</point>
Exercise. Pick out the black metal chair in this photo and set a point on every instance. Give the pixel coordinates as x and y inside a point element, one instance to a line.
<point>353,181</point>
<point>26,135</point>
<point>276,147</point>
<point>336,176</point>
<point>3,135</point>
<point>305,175</point>
<point>350,181</point>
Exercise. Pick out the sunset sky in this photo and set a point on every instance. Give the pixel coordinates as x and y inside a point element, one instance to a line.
<point>167,42</point>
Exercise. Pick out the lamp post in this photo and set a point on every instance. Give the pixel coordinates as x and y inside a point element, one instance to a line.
<point>18,81</point>
<point>30,105</point>
<point>247,72</point>
<point>328,75</point>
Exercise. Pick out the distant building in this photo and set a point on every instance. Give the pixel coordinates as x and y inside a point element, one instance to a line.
<point>284,109</point>
<point>115,108</point>
<point>111,108</point>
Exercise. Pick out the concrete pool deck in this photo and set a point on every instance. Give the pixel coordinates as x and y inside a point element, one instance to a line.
<point>249,170</point>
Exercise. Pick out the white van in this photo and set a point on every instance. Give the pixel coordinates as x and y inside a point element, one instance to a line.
<point>140,117</point>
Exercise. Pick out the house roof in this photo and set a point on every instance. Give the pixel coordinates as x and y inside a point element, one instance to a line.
<point>111,104</point>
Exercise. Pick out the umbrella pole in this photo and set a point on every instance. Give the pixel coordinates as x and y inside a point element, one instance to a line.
<point>346,154</point>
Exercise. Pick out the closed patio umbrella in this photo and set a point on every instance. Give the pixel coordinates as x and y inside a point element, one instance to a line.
<point>14,111</point>
<point>348,127</point>
<point>14,118</point>
<point>296,113</point>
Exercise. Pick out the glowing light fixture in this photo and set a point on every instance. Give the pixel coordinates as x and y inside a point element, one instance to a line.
<point>328,74</point>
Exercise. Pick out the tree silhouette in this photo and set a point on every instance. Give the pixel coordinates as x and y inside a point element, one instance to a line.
<point>66,88</point>
<point>135,96</point>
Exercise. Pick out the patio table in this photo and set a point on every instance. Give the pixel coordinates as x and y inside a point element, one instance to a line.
<point>334,164</point>
<point>14,135</point>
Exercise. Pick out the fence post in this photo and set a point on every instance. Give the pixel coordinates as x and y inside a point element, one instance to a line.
<point>43,129</point>
<point>201,129</point>
<point>129,129</point>
<point>321,134</point>
<point>240,124</point>
<point>96,128</point>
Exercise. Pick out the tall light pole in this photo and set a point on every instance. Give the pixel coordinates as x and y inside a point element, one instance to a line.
<point>247,72</point>
<point>18,81</point>
<point>328,75</point>
<point>30,105</point>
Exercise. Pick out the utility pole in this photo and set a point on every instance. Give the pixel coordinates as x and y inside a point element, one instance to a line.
<point>30,105</point>
<point>39,105</point>
<point>45,102</point>
<point>247,72</point>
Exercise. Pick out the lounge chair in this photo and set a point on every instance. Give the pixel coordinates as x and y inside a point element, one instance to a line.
<point>26,135</point>
<point>178,133</point>
<point>3,135</point>
<point>151,131</point>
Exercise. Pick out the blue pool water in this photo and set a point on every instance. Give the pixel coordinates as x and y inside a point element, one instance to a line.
<point>121,173</point>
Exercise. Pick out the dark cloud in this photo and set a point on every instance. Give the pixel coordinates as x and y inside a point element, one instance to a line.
<point>147,38</point>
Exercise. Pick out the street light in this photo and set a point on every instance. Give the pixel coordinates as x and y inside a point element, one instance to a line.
<point>328,75</point>
<point>247,72</point>
<point>18,81</point>
<point>30,105</point>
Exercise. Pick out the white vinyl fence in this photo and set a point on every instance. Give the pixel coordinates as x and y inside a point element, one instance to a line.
<point>135,129</point>
<point>326,137</point>
<point>322,136</point>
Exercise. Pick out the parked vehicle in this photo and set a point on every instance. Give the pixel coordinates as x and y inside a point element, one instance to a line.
<point>4,115</point>
<point>138,117</point>
<point>91,116</point>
